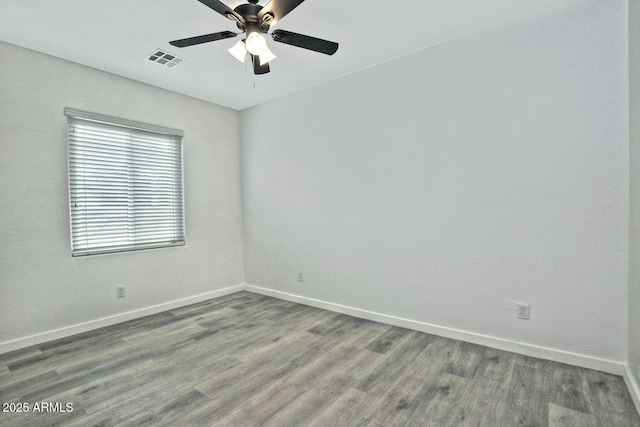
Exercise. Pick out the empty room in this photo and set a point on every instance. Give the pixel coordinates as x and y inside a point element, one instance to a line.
<point>320,213</point>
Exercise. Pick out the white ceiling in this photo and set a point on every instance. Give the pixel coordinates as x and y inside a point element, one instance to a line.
<point>118,35</point>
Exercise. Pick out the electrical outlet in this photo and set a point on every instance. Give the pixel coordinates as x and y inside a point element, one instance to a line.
<point>523,311</point>
<point>120,292</point>
<point>300,277</point>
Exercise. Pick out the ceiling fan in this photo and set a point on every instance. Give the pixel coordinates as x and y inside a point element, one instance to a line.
<point>255,20</point>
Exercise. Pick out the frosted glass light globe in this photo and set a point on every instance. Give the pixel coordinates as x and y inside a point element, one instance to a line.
<point>256,44</point>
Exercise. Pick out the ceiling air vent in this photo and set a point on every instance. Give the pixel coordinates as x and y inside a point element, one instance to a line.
<point>164,58</point>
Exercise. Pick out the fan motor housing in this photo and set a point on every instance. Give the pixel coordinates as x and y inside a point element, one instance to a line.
<point>250,12</point>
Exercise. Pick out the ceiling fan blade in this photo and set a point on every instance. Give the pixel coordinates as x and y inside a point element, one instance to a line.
<point>257,68</point>
<point>275,10</point>
<point>305,42</point>
<point>223,9</point>
<point>203,39</point>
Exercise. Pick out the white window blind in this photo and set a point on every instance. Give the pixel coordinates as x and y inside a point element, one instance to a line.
<point>125,185</point>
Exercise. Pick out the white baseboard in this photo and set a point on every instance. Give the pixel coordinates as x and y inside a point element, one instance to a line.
<point>20,343</point>
<point>609,366</point>
<point>632,385</point>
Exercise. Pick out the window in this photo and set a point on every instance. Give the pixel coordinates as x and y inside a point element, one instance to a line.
<point>125,185</point>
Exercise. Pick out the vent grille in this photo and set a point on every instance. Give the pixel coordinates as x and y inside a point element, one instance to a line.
<point>164,58</point>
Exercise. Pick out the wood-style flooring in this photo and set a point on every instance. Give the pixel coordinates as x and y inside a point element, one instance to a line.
<point>249,360</point>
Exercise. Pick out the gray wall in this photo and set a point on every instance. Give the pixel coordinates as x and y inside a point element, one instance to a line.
<point>634,229</point>
<point>43,287</point>
<point>447,186</point>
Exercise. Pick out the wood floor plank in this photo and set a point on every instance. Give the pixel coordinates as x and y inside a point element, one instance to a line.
<point>170,332</point>
<point>608,393</point>
<point>331,323</point>
<point>226,394</point>
<point>261,407</point>
<point>14,387</point>
<point>345,360</point>
<point>305,408</point>
<point>348,333</point>
<point>485,401</point>
<point>616,419</point>
<point>397,361</point>
<point>145,403</point>
<point>42,418</point>
<point>235,342</point>
<point>442,396</point>
<point>356,332</point>
<point>347,410</point>
<point>277,344</point>
<point>305,376</point>
<point>24,353</point>
<point>100,392</point>
<point>464,359</point>
<point>119,330</point>
<point>43,363</point>
<point>247,359</point>
<point>570,388</point>
<point>388,340</point>
<point>229,334</point>
<point>101,338</point>
<point>167,411</point>
<point>119,357</point>
<point>560,416</point>
<point>334,383</point>
<point>292,314</point>
<point>410,388</point>
<point>527,403</point>
<point>215,304</point>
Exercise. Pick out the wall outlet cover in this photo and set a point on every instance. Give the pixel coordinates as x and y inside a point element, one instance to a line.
<point>523,311</point>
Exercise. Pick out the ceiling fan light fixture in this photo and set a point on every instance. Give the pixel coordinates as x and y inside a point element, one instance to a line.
<point>255,21</point>
<point>266,56</point>
<point>239,51</point>
<point>256,44</point>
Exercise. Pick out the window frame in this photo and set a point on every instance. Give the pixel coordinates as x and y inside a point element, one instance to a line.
<point>170,235</point>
